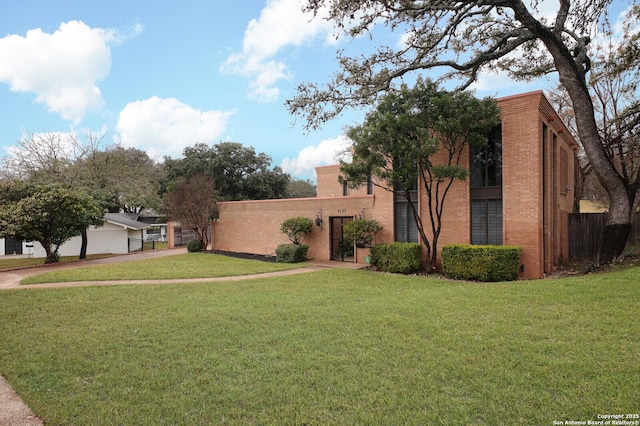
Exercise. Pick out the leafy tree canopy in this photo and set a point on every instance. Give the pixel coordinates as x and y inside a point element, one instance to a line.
<point>47,213</point>
<point>297,228</point>
<point>238,171</point>
<point>126,178</point>
<point>299,188</point>
<point>417,135</point>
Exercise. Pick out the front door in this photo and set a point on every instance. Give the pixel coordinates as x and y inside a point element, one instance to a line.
<point>339,250</point>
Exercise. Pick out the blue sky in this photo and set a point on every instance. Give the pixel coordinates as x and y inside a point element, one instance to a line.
<point>164,75</point>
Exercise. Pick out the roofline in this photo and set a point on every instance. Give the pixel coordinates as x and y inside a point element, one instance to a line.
<point>522,95</point>
<point>309,199</point>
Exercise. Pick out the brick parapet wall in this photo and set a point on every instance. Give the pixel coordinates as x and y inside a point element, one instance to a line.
<point>254,226</point>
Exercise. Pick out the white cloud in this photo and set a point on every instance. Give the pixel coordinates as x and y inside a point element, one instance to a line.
<point>62,69</point>
<point>281,24</point>
<point>499,84</point>
<point>167,126</point>
<point>328,151</point>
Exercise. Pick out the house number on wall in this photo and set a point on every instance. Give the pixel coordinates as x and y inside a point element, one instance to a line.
<point>342,211</point>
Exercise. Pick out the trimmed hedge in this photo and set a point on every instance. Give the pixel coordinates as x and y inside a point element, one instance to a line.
<point>481,263</point>
<point>291,253</point>
<point>194,246</point>
<point>397,258</point>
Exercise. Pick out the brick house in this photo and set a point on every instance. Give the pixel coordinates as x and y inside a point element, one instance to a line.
<point>523,199</point>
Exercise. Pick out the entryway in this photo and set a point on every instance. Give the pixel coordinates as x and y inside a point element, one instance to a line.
<point>339,250</point>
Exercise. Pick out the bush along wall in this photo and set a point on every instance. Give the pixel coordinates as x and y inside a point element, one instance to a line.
<point>291,253</point>
<point>397,258</point>
<point>481,263</point>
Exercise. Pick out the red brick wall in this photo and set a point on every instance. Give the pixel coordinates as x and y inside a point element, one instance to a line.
<point>543,237</point>
<point>328,185</point>
<point>254,226</point>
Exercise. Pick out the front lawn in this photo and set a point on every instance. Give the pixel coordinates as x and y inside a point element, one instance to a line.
<point>10,262</point>
<point>189,265</point>
<point>329,347</point>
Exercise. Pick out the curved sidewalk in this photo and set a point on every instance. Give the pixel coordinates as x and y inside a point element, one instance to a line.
<point>10,280</point>
<point>13,411</point>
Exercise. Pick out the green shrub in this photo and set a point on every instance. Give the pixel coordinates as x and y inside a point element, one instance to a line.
<point>291,253</point>
<point>397,258</point>
<point>481,263</point>
<point>296,228</point>
<point>361,232</point>
<point>194,246</point>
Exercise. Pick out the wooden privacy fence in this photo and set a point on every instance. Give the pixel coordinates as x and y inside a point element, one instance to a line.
<point>585,230</point>
<point>182,235</point>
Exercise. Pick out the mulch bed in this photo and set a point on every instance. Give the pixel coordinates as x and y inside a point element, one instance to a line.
<point>264,258</point>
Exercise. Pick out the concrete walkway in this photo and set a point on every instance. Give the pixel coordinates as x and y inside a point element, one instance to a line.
<point>13,411</point>
<point>11,279</point>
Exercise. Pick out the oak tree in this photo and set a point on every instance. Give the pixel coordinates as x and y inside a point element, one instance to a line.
<point>239,172</point>
<point>464,39</point>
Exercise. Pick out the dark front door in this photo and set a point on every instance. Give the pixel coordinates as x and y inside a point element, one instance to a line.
<point>340,250</point>
<point>12,246</point>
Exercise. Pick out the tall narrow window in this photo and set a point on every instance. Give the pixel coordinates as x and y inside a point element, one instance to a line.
<point>564,172</point>
<point>486,191</point>
<point>406,230</point>
<point>405,227</point>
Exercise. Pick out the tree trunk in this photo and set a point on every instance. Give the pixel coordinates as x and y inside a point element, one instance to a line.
<point>618,225</point>
<point>83,245</point>
<point>52,256</point>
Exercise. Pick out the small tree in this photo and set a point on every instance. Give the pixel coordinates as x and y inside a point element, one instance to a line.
<point>193,204</point>
<point>297,228</point>
<point>49,214</point>
<point>416,137</point>
<point>361,232</point>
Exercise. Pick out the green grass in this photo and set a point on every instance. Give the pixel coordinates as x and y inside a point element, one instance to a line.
<point>329,347</point>
<point>190,265</point>
<point>9,262</point>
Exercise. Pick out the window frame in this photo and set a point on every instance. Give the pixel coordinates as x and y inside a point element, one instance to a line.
<point>488,192</point>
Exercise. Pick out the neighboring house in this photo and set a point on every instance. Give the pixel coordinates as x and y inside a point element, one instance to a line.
<point>521,199</point>
<point>157,230</point>
<point>121,233</point>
